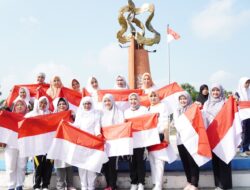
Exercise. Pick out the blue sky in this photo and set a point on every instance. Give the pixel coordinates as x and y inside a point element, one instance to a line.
<point>77,39</point>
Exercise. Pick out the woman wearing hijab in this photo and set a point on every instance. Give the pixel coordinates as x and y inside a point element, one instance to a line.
<point>121,83</point>
<point>88,120</point>
<point>92,87</point>
<point>64,171</point>
<point>137,163</point>
<point>24,94</point>
<point>156,164</point>
<point>191,169</point>
<point>243,94</point>
<point>15,166</point>
<point>75,85</point>
<point>147,83</point>
<point>43,166</point>
<point>55,87</point>
<point>222,171</point>
<point>110,115</point>
<point>41,78</point>
<point>203,94</point>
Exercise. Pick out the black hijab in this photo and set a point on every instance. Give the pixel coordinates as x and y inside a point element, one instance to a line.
<point>202,98</point>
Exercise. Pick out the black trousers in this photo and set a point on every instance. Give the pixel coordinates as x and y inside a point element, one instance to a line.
<point>222,173</point>
<point>137,166</point>
<point>110,172</point>
<point>245,135</point>
<point>43,171</point>
<point>191,169</point>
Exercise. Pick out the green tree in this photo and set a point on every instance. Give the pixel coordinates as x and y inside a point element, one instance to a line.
<point>191,90</point>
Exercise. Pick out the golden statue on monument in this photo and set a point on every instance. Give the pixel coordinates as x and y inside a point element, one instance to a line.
<point>138,56</point>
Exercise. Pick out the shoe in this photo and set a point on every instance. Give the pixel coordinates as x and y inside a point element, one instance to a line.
<point>187,186</point>
<point>243,154</point>
<point>37,188</point>
<point>192,187</point>
<point>247,152</point>
<point>218,188</point>
<point>107,188</point>
<point>45,189</point>
<point>140,186</point>
<point>133,187</point>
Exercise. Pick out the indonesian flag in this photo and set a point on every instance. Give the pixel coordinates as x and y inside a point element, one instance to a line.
<point>78,148</point>
<point>168,95</point>
<point>193,134</point>
<point>145,132</point>
<point>120,96</point>
<point>244,109</point>
<point>119,141</point>
<point>35,134</point>
<point>224,133</point>
<point>9,127</point>
<point>72,96</point>
<point>163,151</point>
<point>172,35</point>
<point>32,88</point>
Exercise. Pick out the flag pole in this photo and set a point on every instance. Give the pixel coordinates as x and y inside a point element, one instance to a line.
<point>169,72</point>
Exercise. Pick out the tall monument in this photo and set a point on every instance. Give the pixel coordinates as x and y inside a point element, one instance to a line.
<point>138,56</point>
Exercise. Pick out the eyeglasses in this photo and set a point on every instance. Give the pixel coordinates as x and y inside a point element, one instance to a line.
<point>87,103</point>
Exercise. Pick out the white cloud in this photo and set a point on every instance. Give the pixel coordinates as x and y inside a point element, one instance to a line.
<point>220,76</point>
<point>219,20</point>
<point>29,20</point>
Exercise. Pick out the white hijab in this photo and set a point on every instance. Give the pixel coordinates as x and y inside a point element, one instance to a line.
<point>113,116</point>
<point>125,85</point>
<point>27,99</point>
<point>89,87</point>
<point>37,111</point>
<point>213,105</point>
<point>243,92</point>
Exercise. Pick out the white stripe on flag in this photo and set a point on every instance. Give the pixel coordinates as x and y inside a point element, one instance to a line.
<point>166,154</point>
<point>35,145</point>
<point>146,138</point>
<point>9,137</point>
<point>76,155</point>
<point>119,147</point>
<point>244,113</point>
<point>172,101</point>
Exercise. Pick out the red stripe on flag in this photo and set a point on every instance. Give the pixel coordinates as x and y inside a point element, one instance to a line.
<point>173,33</point>
<point>9,120</point>
<point>244,104</point>
<point>74,135</point>
<point>72,96</point>
<point>222,122</point>
<point>163,144</point>
<point>144,122</point>
<point>117,131</point>
<point>194,115</point>
<point>163,93</point>
<point>119,95</point>
<point>41,124</point>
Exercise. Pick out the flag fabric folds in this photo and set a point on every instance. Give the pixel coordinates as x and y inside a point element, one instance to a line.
<point>224,133</point>
<point>35,134</point>
<point>9,127</point>
<point>244,109</point>
<point>172,35</point>
<point>118,139</point>
<point>190,126</point>
<point>145,132</point>
<point>78,148</point>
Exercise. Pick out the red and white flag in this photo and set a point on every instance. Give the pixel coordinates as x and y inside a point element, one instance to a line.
<point>168,95</point>
<point>35,134</point>
<point>78,148</point>
<point>145,132</point>
<point>172,35</point>
<point>119,141</point>
<point>191,128</point>
<point>120,96</point>
<point>9,127</point>
<point>163,151</point>
<point>224,133</point>
<point>244,109</point>
<point>31,87</point>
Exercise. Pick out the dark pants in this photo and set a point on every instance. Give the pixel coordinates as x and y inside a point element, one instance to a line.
<point>191,169</point>
<point>43,171</point>
<point>137,166</point>
<point>245,135</point>
<point>222,173</point>
<point>110,172</point>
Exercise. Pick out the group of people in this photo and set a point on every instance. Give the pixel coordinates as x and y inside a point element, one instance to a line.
<point>90,119</point>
